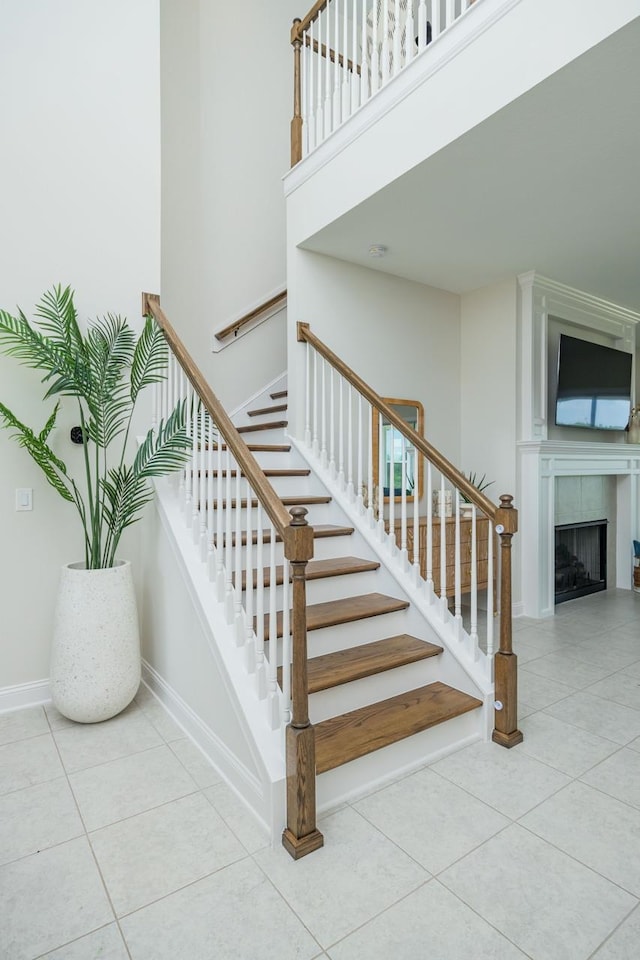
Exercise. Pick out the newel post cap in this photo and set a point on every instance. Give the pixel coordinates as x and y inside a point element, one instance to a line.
<point>298,537</point>
<point>507,515</point>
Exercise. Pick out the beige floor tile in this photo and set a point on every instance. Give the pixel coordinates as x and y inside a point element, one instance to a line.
<point>431,922</point>
<point>84,745</point>
<point>358,873</point>
<point>50,898</point>
<point>623,943</point>
<point>195,763</point>
<point>252,834</point>
<point>155,853</point>
<point>21,724</point>
<point>236,913</point>
<point>563,746</point>
<point>619,776</point>
<point>26,762</point>
<point>609,720</point>
<point>550,906</point>
<point>36,818</point>
<point>104,944</point>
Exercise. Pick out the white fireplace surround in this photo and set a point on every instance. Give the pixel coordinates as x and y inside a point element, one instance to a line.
<point>541,459</point>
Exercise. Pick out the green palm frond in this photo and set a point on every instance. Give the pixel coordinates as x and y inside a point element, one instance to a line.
<point>60,319</point>
<point>49,425</point>
<point>150,358</point>
<point>51,465</point>
<point>167,449</point>
<point>110,349</point>
<point>22,341</point>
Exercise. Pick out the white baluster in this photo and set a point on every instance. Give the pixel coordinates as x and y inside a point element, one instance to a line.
<point>228,544</point>
<point>220,584</point>
<point>473,631</point>
<point>211,513</point>
<point>324,459</point>
<point>436,25</point>
<point>386,51</point>
<point>337,105</point>
<point>350,450</point>
<point>364,63</point>
<point>359,498</point>
<point>457,573</point>
<point>240,628</point>
<point>205,507</point>
<point>451,11</point>
<point>261,672</point>
<point>304,84</point>
<point>370,470</point>
<point>490,590</point>
<point>188,475</point>
<point>404,556</point>
<point>397,48</point>
<point>344,69</point>
<point>392,491</point>
<point>320,99</point>
<point>429,570</point>
<point>311,119</point>
<point>307,397</point>
<point>182,389</point>
<point>409,35</point>
<point>272,679</point>
<point>332,425</point>
<point>381,458</point>
<point>375,56</point>
<point>354,83</point>
<point>443,552</point>
<point>316,416</point>
<point>328,89</point>
<point>286,646</point>
<point>416,518</point>
<point>341,479</point>
<point>250,649</point>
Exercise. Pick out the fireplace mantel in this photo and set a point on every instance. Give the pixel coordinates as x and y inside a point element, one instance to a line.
<point>540,462</point>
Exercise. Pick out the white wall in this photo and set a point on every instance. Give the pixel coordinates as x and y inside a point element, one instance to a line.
<point>227,100</point>
<point>403,338</point>
<point>79,99</point>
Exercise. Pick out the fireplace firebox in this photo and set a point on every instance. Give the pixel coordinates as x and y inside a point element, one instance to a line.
<point>580,559</point>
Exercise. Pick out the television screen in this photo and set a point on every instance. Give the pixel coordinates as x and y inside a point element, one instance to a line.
<point>594,385</point>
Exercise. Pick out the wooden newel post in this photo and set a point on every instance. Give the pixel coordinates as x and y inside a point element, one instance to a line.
<point>505,730</point>
<point>300,835</point>
<point>296,123</point>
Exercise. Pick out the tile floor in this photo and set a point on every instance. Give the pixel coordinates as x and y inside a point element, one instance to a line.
<point>120,841</point>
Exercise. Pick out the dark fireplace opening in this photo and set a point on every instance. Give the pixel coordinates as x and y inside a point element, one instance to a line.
<point>581,559</point>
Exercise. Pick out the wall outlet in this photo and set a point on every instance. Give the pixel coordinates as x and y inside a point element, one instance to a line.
<point>24,498</point>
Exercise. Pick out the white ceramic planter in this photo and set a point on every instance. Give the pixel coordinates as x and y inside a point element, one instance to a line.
<point>95,656</point>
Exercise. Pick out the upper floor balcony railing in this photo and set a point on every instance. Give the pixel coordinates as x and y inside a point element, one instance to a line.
<point>345,51</point>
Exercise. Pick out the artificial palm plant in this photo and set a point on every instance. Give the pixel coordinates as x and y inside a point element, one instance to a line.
<point>104,371</point>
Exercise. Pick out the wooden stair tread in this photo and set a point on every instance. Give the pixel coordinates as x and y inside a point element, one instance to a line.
<point>320,531</point>
<point>278,394</point>
<point>377,725</point>
<point>255,427</point>
<point>287,501</point>
<point>334,612</point>
<point>275,408</point>
<point>318,570</point>
<point>343,666</point>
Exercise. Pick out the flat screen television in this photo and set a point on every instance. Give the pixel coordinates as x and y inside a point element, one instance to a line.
<point>594,385</point>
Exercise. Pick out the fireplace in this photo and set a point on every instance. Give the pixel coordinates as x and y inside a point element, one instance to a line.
<point>580,559</point>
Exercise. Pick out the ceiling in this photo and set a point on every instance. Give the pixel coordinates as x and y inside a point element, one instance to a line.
<point>551,182</point>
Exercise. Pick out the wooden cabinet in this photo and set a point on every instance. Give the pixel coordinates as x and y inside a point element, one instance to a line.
<point>482,551</point>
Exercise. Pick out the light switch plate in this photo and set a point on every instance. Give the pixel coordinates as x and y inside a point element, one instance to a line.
<point>24,498</point>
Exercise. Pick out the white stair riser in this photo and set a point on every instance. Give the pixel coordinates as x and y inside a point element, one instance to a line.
<point>333,588</point>
<point>359,693</point>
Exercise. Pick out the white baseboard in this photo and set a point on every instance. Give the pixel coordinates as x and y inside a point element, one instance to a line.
<point>25,695</point>
<point>241,780</point>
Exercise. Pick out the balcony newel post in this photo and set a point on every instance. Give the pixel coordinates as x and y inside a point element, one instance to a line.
<point>506,731</point>
<point>296,123</point>
<point>301,835</point>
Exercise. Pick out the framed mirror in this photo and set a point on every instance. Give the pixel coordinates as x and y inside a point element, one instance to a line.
<point>393,446</point>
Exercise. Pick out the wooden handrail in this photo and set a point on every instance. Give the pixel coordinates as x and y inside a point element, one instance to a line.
<point>423,446</point>
<point>301,835</point>
<point>299,26</point>
<point>245,459</point>
<point>322,50</point>
<point>251,315</point>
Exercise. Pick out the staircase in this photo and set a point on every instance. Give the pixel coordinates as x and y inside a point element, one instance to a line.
<point>357,630</point>
<point>337,663</point>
